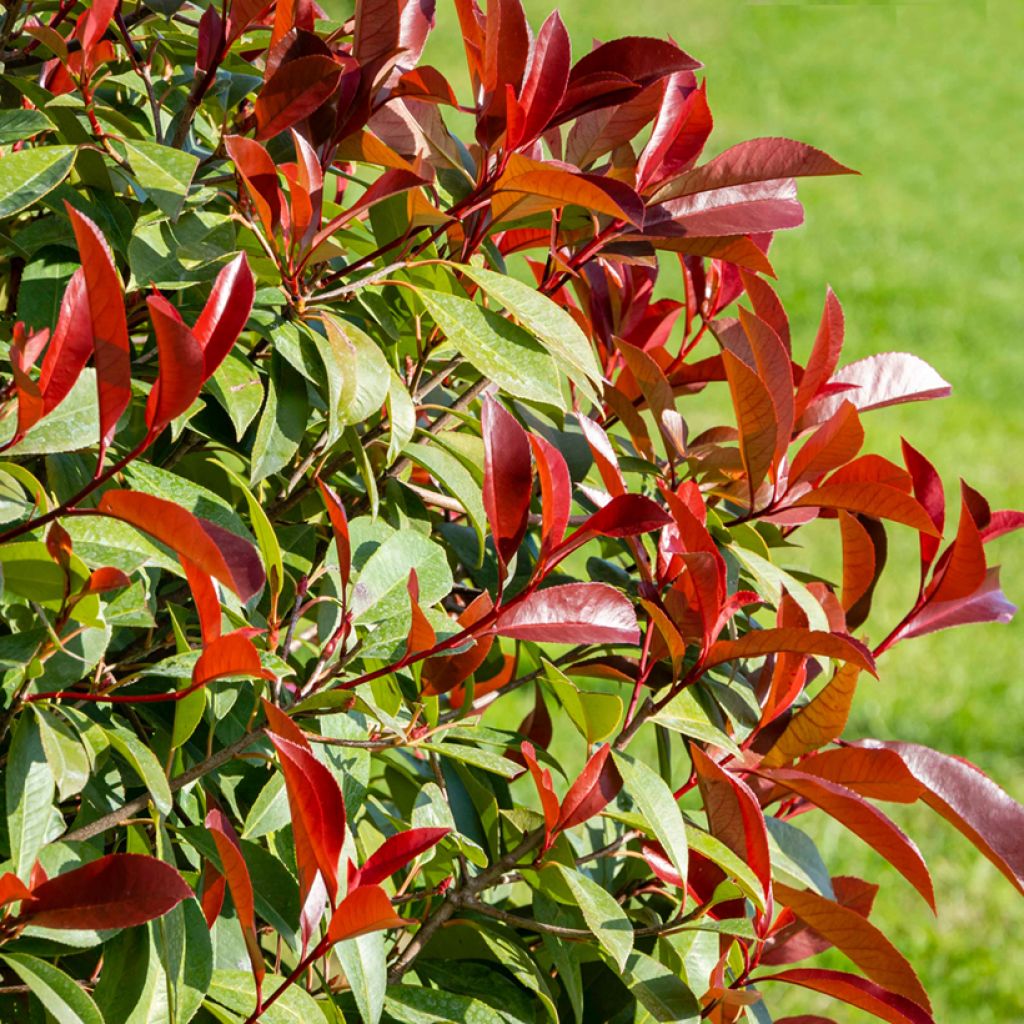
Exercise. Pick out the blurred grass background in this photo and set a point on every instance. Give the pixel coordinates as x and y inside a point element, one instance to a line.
<point>925,251</point>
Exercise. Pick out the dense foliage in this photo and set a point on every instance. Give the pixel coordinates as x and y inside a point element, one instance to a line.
<point>396,620</point>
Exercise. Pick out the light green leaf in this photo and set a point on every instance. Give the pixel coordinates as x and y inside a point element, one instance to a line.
<point>269,810</point>
<point>282,423</point>
<point>413,1004</point>
<point>771,581</point>
<point>380,590</point>
<point>236,384</point>
<point>544,318</point>
<point>364,372</point>
<point>499,349</point>
<point>73,425</point>
<point>145,765</point>
<point>62,997</point>
<point>603,915</point>
<point>236,991</point>
<point>493,763</point>
<point>175,255</point>
<point>658,805</point>
<point>188,713</point>
<point>29,571</point>
<point>164,173</point>
<point>683,714</point>
<point>27,176</point>
<point>65,753</point>
<point>29,788</point>
<point>715,850</point>
<point>661,992</point>
<point>596,715</point>
<point>401,417</point>
<point>362,959</point>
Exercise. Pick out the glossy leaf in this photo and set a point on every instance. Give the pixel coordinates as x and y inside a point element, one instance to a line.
<point>570,614</point>
<point>508,478</point>
<point>363,910</point>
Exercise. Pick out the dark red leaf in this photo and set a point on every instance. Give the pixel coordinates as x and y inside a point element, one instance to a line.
<point>111,347</point>
<point>259,173</point>
<point>397,851</point>
<point>928,491</point>
<point>970,801</point>
<point>598,784</point>
<point>508,478</point>
<point>797,641</point>
<point>680,131</point>
<point>574,613</point>
<point>880,501</point>
<point>833,444</point>
<point>230,559</point>
<point>987,604</point>
<point>545,82</point>
<point>441,674</point>
<point>555,493</point>
<point>366,909</point>
<point>120,890</point>
<point>296,90</point>
<point>855,991</point>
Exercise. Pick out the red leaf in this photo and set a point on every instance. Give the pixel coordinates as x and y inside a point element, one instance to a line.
<point>240,885</point>
<point>833,444</point>
<point>626,515</point>
<point>962,570</point>
<point>928,491</point>
<point>797,641</point>
<point>767,306</point>
<point>736,210</point>
<point>24,352</point>
<point>70,346</point>
<point>105,579</point>
<point>225,313</point>
<point>545,82</point>
<point>860,940</point>
<point>555,493</point>
<point>862,565</point>
<point>970,801</point>
<point>602,131</point>
<point>213,882</point>
<point>339,524</point>
<point>574,613</point>
<point>120,890</point>
<point>111,347</point>
<point>508,478</point>
<point>317,810</point>
<point>598,784</point>
<point>658,861</point>
<point>856,991</point>
<point>224,556</point>
<point>397,851</point>
<point>987,604</point>
<point>545,790</point>
<point>282,725</point>
<point>296,90</point>
<point>880,501</point>
<point>204,595</point>
<point>181,373</point>
<point>873,772</point>
<point>441,674</point>
<point>259,173</point>
<point>12,888</point>
<point>828,344</point>
<point>366,909</point>
<point>482,687</point>
<point>734,815</point>
<point>604,455</point>
<point>877,381</point>
<point>421,633</point>
<point>864,820</point>
<point>756,417</point>
<point>680,131</point>
<point>755,160</point>
<point>230,655</point>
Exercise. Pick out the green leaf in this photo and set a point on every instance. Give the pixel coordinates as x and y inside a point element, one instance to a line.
<point>683,714</point>
<point>172,256</point>
<point>493,763</point>
<point>795,858</point>
<point>73,425</point>
<point>29,788</point>
<point>544,318</point>
<point>238,388</point>
<point>165,174</point>
<point>381,590</point>
<point>496,347</point>
<point>364,374</point>
<point>188,713</point>
<point>603,915</point>
<point>660,991</point>
<point>456,480</point>
<point>401,417</point>
<point>362,959</point>
<point>65,753</point>
<point>269,810</point>
<point>596,715</point>
<point>283,422</point>
<point>771,581</point>
<point>29,571</point>
<point>715,850</point>
<point>27,176</point>
<point>16,125</point>
<point>413,1004</point>
<point>658,805</point>
<point>145,765</point>
<point>62,997</point>
<point>236,991</point>
<point>266,538</point>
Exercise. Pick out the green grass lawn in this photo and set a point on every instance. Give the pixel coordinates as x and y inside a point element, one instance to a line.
<point>924,250</point>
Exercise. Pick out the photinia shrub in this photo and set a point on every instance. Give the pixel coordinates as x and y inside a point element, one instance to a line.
<point>399,613</point>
